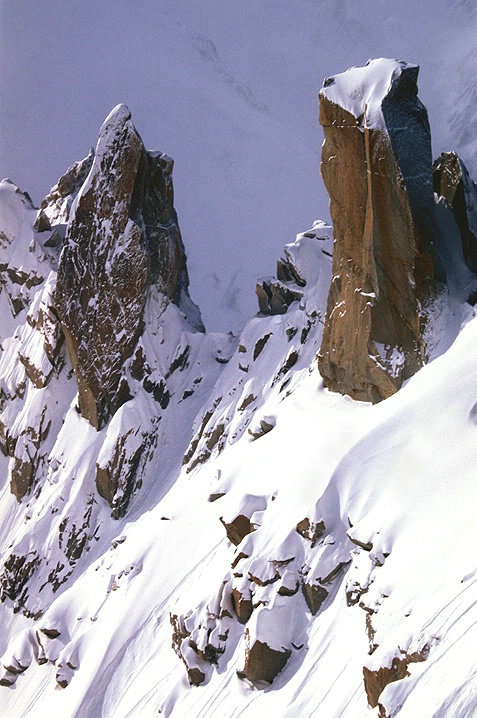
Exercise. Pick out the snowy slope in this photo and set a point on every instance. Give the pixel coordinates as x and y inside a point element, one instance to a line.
<point>391,488</point>
<point>353,560</point>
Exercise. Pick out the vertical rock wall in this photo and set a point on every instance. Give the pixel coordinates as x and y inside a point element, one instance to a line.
<point>453,183</point>
<point>376,165</point>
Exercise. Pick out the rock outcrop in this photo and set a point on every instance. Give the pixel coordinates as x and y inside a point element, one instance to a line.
<point>263,663</point>
<point>375,681</point>
<point>102,264</point>
<point>122,238</point>
<point>453,182</point>
<point>377,168</point>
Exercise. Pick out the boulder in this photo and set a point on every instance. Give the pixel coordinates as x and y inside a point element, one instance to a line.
<point>314,594</point>
<point>242,605</point>
<point>310,530</point>
<point>263,663</point>
<point>237,529</point>
<point>377,168</point>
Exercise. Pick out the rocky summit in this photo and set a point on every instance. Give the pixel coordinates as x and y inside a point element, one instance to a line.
<point>377,168</point>
<point>122,237</point>
<point>197,524</point>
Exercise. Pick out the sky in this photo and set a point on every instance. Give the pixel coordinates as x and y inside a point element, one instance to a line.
<point>229,90</point>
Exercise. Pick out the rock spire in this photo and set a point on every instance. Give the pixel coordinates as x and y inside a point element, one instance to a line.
<point>122,238</point>
<point>377,168</point>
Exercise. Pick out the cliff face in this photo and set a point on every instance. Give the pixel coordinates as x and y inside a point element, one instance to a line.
<point>376,165</point>
<point>102,265</point>
<point>122,237</point>
<point>453,182</point>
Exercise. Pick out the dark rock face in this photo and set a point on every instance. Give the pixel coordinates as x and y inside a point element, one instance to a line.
<point>55,207</point>
<point>122,238</point>
<point>314,594</point>
<point>376,165</point>
<point>263,663</point>
<point>274,296</point>
<point>375,681</point>
<point>237,529</point>
<point>120,474</point>
<point>242,605</point>
<point>453,182</point>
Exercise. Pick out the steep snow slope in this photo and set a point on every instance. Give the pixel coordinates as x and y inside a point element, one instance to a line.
<point>384,563</point>
<point>401,484</point>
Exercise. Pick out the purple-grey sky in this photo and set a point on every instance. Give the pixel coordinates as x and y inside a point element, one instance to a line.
<point>229,91</point>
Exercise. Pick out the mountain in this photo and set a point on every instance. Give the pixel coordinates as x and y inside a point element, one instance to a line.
<point>201,524</point>
<point>229,91</point>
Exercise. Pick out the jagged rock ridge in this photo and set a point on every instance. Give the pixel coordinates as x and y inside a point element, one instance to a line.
<point>122,237</point>
<point>142,353</point>
<point>290,474</point>
<point>377,168</point>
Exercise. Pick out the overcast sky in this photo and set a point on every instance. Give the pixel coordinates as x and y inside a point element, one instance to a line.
<point>229,90</point>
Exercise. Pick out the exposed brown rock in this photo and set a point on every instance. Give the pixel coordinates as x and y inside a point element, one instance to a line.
<point>179,632</point>
<point>264,427</point>
<point>50,632</point>
<point>284,591</point>
<point>241,555</point>
<point>263,663</point>
<point>122,238</point>
<point>310,531</point>
<point>195,676</point>
<point>7,678</point>
<point>55,207</point>
<point>215,496</point>
<point>242,605</point>
<point>27,455</point>
<point>72,539</point>
<point>63,676</point>
<point>237,529</point>
<point>179,635</point>
<point>246,402</point>
<point>260,345</point>
<point>21,477</point>
<point>119,476</point>
<point>14,577</point>
<point>381,202</point>
<point>453,182</point>
<point>314,594</point>
<point>376,681</point>
<point>276,295</point>
<point>370,632</point>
